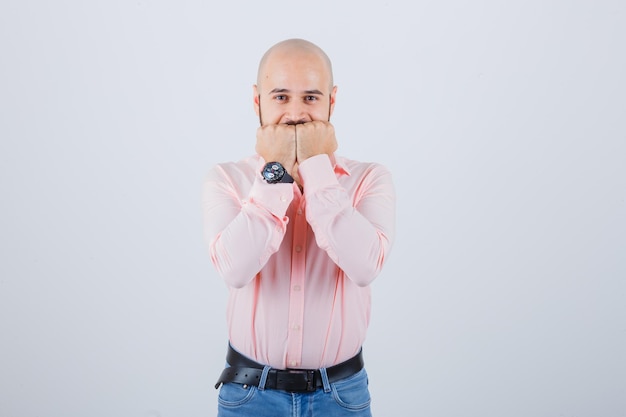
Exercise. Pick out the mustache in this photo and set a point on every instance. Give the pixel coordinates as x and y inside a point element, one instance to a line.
<point>295,122</point>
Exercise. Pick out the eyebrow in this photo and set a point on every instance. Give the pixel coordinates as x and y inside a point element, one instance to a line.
<point>285,90</point>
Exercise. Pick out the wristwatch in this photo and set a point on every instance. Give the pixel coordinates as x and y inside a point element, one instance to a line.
<point>274,172</point>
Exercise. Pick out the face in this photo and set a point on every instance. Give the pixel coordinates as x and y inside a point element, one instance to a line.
<point>294,88</point>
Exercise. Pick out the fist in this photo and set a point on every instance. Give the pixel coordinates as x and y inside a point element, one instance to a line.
<point>277,143</point>
<point>314,138</point>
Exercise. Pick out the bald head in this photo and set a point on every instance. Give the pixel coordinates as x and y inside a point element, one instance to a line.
<point>294,84</point>
<point>293,49</point>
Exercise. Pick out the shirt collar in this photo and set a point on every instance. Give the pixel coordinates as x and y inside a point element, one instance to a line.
<point>339,165</point>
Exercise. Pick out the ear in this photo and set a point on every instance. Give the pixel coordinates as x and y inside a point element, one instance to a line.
<point>255,98</point>
<point>332,100</point>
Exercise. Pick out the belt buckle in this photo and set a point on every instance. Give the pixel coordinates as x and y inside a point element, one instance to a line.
<point>296,380</point>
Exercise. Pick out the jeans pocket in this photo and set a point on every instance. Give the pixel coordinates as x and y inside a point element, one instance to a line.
<point>352,393</point>
<point>233,395</point>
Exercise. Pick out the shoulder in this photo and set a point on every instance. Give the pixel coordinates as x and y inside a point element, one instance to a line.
<point>244,169</point>
<point>361,169</point>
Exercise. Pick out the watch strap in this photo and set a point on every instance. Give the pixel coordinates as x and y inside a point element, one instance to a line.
<point>286,178</point>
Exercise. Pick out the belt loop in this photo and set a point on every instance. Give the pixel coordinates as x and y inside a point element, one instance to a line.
<point>325,382</point>
<point>266,371</point>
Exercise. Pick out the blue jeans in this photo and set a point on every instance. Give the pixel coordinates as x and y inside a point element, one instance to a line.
<point>346,397</point>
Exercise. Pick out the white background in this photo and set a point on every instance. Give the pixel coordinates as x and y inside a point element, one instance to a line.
<point>504,126</point>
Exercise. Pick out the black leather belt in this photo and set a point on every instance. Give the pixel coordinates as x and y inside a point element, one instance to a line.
<point>245,371</point>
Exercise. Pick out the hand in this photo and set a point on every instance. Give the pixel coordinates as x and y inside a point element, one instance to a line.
<point>277,143</point>
<point>314,138</point>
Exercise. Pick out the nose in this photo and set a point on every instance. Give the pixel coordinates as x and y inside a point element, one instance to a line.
<point>296,113</point>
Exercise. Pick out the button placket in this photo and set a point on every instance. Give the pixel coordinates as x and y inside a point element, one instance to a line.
<point>296,296</point>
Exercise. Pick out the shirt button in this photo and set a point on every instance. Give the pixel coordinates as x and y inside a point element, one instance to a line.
<point>296,327</point>
<point>283,198</point>
<point>297,288</point>
<point>293,363</point>
<point>300,212</point>
<point>298,248</point>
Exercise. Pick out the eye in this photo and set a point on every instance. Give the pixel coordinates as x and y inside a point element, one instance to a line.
<point>280,97</point>
<point>310,98</point>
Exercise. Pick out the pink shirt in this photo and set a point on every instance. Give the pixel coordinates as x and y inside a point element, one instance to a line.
<point>298,266</point>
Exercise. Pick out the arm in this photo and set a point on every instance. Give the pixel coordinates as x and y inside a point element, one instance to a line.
<point>357,233</point>
<point>243,225</point>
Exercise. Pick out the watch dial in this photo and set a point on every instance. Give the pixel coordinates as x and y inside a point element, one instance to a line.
<point>273,172</point>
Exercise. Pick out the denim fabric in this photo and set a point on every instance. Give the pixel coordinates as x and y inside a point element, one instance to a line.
<point>347,397</point>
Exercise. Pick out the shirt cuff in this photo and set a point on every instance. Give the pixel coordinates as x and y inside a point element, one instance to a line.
<point>317,172</point>
<point>273,197</point>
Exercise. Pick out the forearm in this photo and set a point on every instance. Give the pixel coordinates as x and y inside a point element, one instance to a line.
<point>357,233</point>
<point>243,231</point>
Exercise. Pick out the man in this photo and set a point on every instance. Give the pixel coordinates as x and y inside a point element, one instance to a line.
<point>298,234</point>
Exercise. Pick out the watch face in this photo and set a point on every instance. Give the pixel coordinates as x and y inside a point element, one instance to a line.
<point>273,172</point>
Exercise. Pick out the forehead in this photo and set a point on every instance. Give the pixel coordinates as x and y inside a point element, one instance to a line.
<point>294,71</point>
